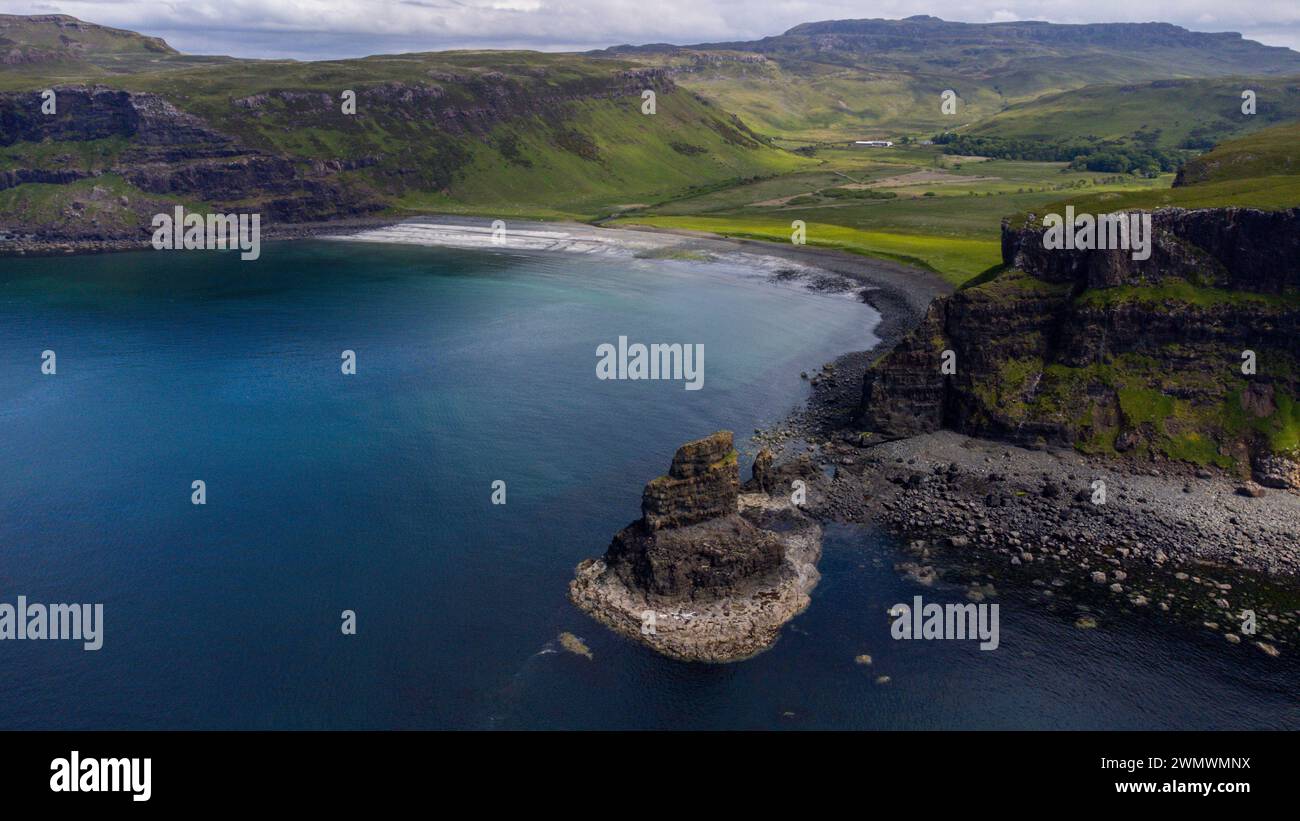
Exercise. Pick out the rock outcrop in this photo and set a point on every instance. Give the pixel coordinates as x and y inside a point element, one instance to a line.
<point>1190,355</point>
<point>170,155</point>
<point>701,484</point>
<point>707,573</point>
<point>99,112</point>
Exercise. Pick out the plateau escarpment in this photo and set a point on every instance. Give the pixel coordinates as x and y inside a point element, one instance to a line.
<point>365,139</point>
<point>707,573</point>
<point>107,160</point>
<point>1187,356</point>
<point>41,39</point>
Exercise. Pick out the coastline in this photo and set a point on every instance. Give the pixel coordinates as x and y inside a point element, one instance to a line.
<point>1182,544</point>
<point>900,293</point>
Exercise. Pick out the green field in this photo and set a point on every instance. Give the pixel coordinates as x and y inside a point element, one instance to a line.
<point>944,214</point>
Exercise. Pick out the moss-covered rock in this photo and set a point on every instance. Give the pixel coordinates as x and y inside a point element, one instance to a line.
<point>1147,360</point>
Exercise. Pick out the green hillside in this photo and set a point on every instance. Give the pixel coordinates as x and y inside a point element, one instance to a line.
<point>57,35</point>
<point>1266,153</point>
<point>1173,113</point>
<point>486,132</point>
<point>1261,170</point>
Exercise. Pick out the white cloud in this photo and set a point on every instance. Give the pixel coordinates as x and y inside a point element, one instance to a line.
<point>337,28</point>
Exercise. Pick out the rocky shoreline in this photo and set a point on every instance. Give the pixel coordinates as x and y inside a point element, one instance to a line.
<point>1178,542</point>
<point>1196,545</point>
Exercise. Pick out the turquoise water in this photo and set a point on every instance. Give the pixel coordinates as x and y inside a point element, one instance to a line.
<point>372,493</point>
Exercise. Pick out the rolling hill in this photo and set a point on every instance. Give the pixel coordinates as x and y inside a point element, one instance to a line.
<point>1189,113</point>
<point>845,79</point>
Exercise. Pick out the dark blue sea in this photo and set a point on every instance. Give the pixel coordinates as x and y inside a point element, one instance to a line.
<point>373,493</point>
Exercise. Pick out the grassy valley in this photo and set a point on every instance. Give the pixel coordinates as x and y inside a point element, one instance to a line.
<point>924,207</point>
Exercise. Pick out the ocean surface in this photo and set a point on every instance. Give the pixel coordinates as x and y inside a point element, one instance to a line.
<point>373,493</point>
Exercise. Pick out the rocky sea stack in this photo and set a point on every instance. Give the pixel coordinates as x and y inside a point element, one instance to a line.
<point>707,573</point>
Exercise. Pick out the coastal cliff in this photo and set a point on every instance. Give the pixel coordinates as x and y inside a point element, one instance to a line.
<point>1187,356</point>
<point>707,573</point>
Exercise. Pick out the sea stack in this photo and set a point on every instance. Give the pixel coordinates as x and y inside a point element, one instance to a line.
<point>707,573</point>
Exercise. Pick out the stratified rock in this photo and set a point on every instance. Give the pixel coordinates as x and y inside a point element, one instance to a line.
<point>707,574</point>
<point>701,484</point>
<point>707,558</point>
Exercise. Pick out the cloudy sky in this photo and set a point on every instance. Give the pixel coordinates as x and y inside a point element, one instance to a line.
<point>313,29</point>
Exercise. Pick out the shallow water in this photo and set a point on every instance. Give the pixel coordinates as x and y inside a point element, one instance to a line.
<point>372,493</point>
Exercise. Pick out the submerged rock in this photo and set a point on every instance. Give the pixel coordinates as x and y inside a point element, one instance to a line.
<point>575,645</point>
<point>707,573</point>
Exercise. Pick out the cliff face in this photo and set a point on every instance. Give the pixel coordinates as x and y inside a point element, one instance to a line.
<point>701,484</point>
<point>58,38</point>
<point>1108,354</point>
<point>1240,249</point>
<point>459,103</point>
<point>99,112</point>
<point>158,149</point>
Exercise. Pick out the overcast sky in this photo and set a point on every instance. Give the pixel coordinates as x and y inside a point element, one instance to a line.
<point>314,29</point>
